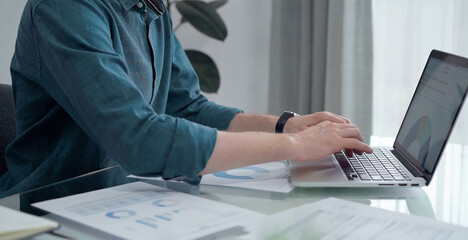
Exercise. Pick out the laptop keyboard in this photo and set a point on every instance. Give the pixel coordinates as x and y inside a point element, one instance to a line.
<point>377,166</point>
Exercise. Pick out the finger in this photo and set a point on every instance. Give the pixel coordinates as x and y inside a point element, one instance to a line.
<point>358,152</point>
<point>351,133</point>
<point>326,123</point>
<point>343,118</point>
<point>337,119</point>
<point>352,152</point>
<point>356,145</point>
<point>346,125</point>
<point>325,116</point>
<point>349,152</point>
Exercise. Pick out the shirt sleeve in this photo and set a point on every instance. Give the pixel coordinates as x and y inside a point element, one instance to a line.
<point>84,74</point>
<point>185,97</point>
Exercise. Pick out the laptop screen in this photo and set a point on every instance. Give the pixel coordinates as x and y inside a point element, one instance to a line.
<point>433,110</point>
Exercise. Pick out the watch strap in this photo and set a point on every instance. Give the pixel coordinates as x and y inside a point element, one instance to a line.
<point>283,119</point>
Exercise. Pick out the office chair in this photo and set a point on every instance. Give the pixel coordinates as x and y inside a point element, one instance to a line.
<point>7,122</point>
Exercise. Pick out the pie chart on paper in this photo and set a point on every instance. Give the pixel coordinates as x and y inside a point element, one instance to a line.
<point>244,173</point>
<point>273,177</point>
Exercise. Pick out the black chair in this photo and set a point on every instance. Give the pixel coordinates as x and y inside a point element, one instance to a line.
<point>7,122</point>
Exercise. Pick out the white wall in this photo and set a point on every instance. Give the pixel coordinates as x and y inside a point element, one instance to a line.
<point>243,58</point>
<point>10,14</point>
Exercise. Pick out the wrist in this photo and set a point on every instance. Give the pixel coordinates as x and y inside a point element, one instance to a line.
<point>283,119</point>
<point>289,145</point>
<point>243,122</point>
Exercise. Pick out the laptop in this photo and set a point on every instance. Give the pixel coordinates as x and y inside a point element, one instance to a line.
<point>419,144</point>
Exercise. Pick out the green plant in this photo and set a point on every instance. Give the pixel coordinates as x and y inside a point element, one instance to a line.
<point>204,17</point>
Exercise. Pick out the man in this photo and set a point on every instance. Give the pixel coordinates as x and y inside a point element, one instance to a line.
<point>105,82</point>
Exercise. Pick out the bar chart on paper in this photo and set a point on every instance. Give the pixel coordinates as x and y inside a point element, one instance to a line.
<point>142,211</point>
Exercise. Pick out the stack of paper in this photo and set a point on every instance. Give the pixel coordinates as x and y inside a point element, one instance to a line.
<point>339,219</point>
<point>16,225</point>
<point>272,177</point>
<point>144,211</point>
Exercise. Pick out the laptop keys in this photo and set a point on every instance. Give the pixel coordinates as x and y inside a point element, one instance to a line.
<point>378,166</point>
<point>364,177</point>
<point>346,166</point>
<point>376,177</point>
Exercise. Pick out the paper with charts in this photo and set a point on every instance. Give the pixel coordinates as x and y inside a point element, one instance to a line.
<point>333,218</point>
<point>144,211</point>
<point>273,177</point>
<point>268,177</point>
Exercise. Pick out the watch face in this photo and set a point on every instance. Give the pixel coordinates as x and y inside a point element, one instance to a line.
<point>293,113</point>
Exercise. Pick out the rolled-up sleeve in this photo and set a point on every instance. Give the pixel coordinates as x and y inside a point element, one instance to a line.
<point>90,80</point>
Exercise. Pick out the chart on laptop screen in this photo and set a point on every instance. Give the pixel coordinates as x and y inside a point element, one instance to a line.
<point>432,111</point>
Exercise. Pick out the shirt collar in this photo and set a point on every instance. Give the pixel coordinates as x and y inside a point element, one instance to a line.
<point>127,4</point>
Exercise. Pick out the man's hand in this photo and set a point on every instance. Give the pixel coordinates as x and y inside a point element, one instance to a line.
<point>326,138</point>
<point>306,138</point>
<point>233,150</point>
<point>300,123</point>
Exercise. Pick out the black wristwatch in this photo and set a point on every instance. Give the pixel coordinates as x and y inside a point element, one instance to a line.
<point>283,119</point>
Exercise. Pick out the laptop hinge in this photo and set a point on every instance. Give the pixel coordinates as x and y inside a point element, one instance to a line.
<point>407,163</point>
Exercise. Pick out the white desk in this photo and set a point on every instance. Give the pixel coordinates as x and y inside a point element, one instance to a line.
<point>407,200</point>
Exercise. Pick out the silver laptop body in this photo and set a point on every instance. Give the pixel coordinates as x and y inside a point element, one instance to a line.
<point>419,144</point>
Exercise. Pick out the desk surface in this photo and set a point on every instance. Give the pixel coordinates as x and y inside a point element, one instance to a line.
<point>417,201</point>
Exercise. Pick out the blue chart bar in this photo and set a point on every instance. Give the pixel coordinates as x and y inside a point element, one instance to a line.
<point>167,218</point>
<point>157,219</point>
<point>148,222</point>
<point>118,203</point>
<point>166,203</point>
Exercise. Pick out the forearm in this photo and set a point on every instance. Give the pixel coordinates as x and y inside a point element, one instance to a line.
<point>263,123</point>
<point>247,122</point>
<point>234,150</point>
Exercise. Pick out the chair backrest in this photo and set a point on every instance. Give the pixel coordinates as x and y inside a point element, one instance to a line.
<point>7,122</point>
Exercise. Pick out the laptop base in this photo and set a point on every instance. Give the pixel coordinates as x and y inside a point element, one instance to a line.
<point>326,172</point>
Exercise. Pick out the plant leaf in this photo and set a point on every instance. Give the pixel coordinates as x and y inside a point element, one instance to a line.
<point>217,3</point>
<point>203,17</point>
<point>206,70</point>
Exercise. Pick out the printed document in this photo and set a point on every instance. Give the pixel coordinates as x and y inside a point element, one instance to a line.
<point>272,177</point>
<point>16,225</point>
<point>144,211</point>
<point>339,219</point>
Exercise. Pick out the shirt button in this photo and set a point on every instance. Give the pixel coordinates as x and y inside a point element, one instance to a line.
<point>139,5</point>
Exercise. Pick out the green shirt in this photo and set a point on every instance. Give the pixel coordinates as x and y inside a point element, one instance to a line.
<point>104,82</point>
